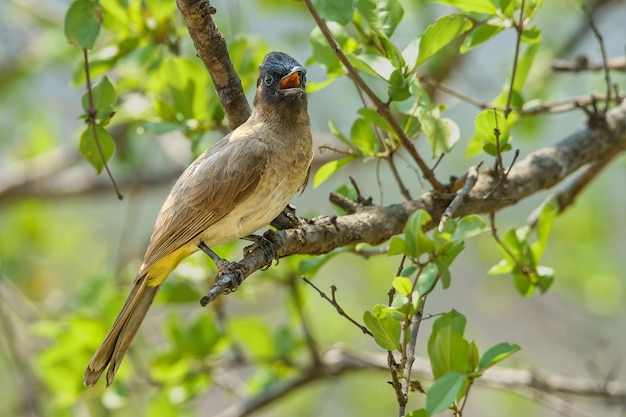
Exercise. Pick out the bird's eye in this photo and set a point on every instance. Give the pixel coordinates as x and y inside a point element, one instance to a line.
<point>268,79</point>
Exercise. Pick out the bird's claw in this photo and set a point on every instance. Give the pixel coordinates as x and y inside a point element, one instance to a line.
<point>264,244</point>
<point>228,279</point>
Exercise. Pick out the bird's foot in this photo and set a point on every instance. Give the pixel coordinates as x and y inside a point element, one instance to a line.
<point>229,276</point>
<point>265,244</point>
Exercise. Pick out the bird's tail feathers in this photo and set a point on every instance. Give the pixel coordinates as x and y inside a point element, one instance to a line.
<point>113,348</point>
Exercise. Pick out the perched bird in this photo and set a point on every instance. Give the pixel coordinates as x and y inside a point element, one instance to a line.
<point>235,187</point>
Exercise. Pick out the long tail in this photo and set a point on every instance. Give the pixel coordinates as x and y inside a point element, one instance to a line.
<point>113,348</point>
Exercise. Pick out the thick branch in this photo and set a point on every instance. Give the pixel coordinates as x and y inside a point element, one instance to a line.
<point>211,48</point>
<point>375,224</point>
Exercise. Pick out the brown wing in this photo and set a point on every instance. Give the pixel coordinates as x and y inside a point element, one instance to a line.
<point>208,189</point>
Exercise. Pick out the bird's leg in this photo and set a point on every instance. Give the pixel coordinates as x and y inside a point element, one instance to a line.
<point>265,244</point>
<point>224,267</point>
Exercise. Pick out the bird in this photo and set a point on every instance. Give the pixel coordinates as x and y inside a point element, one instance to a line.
<point>234,188</point>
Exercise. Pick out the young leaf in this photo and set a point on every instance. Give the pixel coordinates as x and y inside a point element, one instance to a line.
<point>402,285</point>
<point>374,117</point>
<point>417,243</point>
<point>362,136</point>
<point>82,23</point>
<point>384,327</point>
<point>469,226</point>
<point>447,349</point>
<point>339,11</point>
<point>476,6</point>
<point>496,354</point>
<point>478,36</point>
<point>441,33</point>
<point>397,246</point>
<point>543,227</point>
<point>104,98</point>
<point>441,133</point>
<point>418,413</point>
<point>338,134</point>
<point>444,391</point>
<point>383,16</point>
<point>427,280</point>
<point>89,148</point>
<point>329,168</point>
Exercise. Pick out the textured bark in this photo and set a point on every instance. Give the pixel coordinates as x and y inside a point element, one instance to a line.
<point>374,225</point>
<point>212,50</point>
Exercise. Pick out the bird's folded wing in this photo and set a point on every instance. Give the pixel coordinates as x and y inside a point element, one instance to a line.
<point>210,187</point>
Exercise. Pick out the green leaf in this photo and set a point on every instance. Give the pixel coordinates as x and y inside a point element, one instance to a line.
<point>323,53</point>
<point>363,138</point>
<point>442,133</point>
<point>89,148</point>
<point>418,413</point>
<point>417,243</point>
<point>543,227</point>
<point>524,65</point>
<point>496,354</point>
<point>531,35</point>
<point>453,319</point>
<point>427,280</point>
<point>384,327</point>
<point>469,226</point>
<point>329,168</point>
<point>486,123</point>
<point>444,391</point>
<point>376,65</point>
<point>478,36</point>
<point>104,97</point>
<point>375,118</point>
<point>473,356</point>
<point>522,284</point>
<point>403,285</point>
<point>338,134</point>
<point>397,246</point>
<point>441,33</point>
<point>447,349</point>
<point>545,278</point>
<point>476,6</point>
<point>82,23</point>
<point>381,15</point>
<point>314,87</point>
<point>339,11</point>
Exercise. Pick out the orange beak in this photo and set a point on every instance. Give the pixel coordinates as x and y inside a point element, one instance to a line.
<point>292,80</point>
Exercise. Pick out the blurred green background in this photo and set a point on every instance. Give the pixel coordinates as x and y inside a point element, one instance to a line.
<point>69,249</point>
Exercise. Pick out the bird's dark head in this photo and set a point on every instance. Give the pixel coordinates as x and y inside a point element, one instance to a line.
<point>281,84</point>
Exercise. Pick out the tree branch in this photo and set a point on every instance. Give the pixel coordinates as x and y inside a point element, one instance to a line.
<point>211,47</point>
<point>374,224</point>
<point>336,361</point>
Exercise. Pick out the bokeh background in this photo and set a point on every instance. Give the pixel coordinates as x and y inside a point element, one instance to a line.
<point>69,249</point>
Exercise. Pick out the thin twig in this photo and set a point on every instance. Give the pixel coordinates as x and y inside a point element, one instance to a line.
<point>494,233</point>
<point>502,178</point>
<point>382,108</point>
<point>530,108</point>
<point>306,329</point>
<point>607,73</point>
<point>335,304</point>
<point>518,40</point>
<point>91,119</point>
<point>472,176</point>
<point>582,63</point>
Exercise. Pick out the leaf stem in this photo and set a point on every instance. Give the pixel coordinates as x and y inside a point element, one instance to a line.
<point>91,120</point>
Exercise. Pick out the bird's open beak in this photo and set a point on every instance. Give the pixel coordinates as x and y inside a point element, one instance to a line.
<point>292,83</point>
